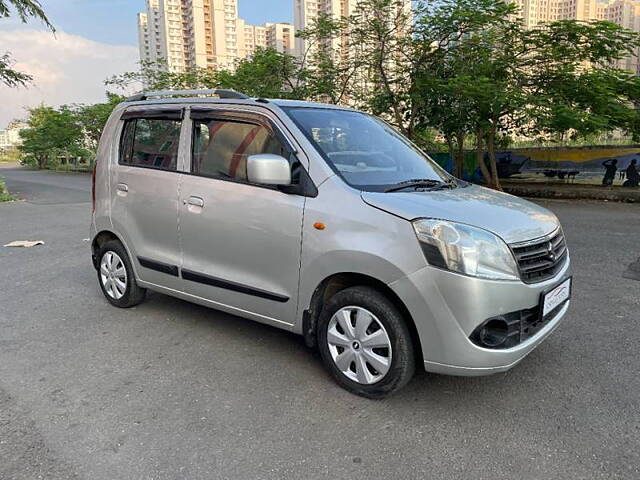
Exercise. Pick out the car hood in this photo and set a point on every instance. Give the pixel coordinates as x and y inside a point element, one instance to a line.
<point>513,219</point>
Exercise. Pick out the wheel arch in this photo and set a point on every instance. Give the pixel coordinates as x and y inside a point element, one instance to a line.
<point>100,239</point>
<point>340,281</point>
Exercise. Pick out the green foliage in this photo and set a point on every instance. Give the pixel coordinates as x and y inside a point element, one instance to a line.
<point>626,89</point>
<point>267,74</point>
<point>5,196</point>
<point>10,77</point>
<point>479,72</point>
<point>380,32</point>
<point>25,9</point>
<point>156,76</point>
<point>70,132</point>
<point>574,89</point>
<point>467,75</point>
<point>570,43</point>
<point>11,155</point>
<point>50,134</point>
<point>323,73</point>
<point>93,118</point>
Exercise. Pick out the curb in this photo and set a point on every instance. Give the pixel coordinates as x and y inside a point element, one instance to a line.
<point>624,196</point>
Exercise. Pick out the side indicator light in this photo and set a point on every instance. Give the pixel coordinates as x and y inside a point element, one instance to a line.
<point>319,226</point>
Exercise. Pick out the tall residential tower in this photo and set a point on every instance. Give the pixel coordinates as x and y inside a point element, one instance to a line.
<point>204,34</point>
<point>625,13</point>
<point>306,11</point>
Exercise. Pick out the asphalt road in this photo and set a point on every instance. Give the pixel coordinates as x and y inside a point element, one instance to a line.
<point>170,390</point>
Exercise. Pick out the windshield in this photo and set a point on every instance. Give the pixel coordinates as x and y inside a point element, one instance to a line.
<point>366,152</point>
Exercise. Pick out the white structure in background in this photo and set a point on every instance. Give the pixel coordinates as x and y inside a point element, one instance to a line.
<point>306,11</point>
<point>10,137</point>
<point>625,13</point>
<point>204,34</point>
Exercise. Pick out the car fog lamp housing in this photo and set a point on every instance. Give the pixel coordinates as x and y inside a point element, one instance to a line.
<point>465,249</point>
<point>494,333</point>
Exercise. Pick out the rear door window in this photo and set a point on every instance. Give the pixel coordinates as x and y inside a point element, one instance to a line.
<point>150,143</point>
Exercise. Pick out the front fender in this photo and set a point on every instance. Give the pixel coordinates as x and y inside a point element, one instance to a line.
<point>356,239</point>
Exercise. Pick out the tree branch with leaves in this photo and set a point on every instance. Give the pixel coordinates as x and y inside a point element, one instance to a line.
<point>25,10</point>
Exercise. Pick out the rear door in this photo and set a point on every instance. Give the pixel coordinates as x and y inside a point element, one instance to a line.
<point>241,242</point>
<point>144,192</point>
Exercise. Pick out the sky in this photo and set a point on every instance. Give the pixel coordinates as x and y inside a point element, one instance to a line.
<point>94,39</point>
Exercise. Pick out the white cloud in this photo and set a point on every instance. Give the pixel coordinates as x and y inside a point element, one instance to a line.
<point>66,69</point>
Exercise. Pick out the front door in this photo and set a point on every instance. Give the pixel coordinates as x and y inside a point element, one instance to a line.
<point>144,186</point>
<point>241,242</point>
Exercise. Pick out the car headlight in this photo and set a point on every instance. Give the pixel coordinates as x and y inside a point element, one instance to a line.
<point>465,249</point>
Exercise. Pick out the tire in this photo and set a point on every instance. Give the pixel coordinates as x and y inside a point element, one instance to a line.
<point>118,282</point>
<point>375,321</point>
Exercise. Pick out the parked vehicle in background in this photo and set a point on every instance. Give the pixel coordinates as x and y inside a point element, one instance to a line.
<point>326,222</point>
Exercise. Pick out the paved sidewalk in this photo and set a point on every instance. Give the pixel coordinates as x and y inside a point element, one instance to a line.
<point>572,191</point>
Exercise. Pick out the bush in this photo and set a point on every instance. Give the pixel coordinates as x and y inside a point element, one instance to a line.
<point>5,196</point>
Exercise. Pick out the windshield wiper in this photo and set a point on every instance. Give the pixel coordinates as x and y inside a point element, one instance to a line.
<point>421,182</point>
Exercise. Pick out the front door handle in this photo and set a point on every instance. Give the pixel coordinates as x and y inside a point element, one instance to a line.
<point>195,201</point>
<point>122,187</point>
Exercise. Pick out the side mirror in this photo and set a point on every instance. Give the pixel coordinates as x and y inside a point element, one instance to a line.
<point>268,169</point>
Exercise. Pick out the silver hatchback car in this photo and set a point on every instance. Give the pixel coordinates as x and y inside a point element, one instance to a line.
<point>326,222</point>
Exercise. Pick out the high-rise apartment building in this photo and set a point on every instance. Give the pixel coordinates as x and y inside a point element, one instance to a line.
<point>281,36</point>
<point>625,13</point>
<point>204,34</point>
<point>306,11</point>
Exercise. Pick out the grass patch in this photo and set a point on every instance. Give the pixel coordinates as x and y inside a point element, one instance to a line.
<point>5,196</point>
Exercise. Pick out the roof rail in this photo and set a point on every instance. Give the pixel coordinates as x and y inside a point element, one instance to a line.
<point>221,93</point>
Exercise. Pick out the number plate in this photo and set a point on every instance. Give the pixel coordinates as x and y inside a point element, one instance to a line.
<point>553,298</point>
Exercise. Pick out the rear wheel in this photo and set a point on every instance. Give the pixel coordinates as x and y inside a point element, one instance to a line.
<point>116,277</point>
<point>365,343</point>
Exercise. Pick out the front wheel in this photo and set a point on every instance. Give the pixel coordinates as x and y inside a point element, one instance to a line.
<point>116,278</point>
<point>365,343</point>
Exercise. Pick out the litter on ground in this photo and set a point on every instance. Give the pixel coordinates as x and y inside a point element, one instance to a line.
<point>25,243</point>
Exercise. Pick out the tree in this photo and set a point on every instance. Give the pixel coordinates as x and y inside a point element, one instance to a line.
<point>10,77</point>
<point>25,10</point>
<point>266,74</point>
<point>468,78</point>
<point>157,76</point>
<point>575,88</point>
<point>93,118</point>
<point>327,71</point>
<point>630,89</point>
<point>381,36</point>
<point>51,133</point>
<point>482,74</point>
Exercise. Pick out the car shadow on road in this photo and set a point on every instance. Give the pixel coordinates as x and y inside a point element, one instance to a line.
<point>304,364</point>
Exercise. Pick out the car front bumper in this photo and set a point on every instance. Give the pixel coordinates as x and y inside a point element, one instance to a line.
<point>447,307</point>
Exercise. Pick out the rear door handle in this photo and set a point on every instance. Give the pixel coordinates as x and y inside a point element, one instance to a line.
<point>123,187</point>
<point>195,201</point>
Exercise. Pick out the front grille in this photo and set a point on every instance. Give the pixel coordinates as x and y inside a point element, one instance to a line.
<point>541,259</point>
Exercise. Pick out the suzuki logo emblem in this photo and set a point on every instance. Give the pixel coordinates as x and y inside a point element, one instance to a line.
<point>550,254</point>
